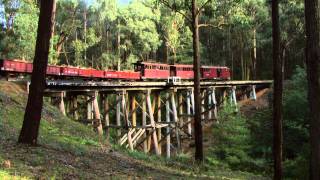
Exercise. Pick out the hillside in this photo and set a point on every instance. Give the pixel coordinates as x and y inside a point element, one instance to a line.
<point>70,150</point>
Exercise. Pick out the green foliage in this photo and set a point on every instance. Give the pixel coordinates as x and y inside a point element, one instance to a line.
<point>59,137</point>
<point>78,46</point>
<point>138,28</point>
<point>5,175</point>
<point>60,133</point>
<point>177,36</point>
<point>26,24</point>
<point>295,128</point>
<point>232,141</point>
<point>21,34</point>
<point>87,35</point>
<point>246,143</point>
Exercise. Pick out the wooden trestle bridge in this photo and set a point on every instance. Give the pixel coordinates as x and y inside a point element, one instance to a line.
<point>148,116</point>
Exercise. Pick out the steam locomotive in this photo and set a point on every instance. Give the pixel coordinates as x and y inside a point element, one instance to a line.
<point>142,70</point>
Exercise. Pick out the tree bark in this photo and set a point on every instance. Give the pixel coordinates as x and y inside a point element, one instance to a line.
<point>254,55</point>
<point>277,94</point>
<point>312,17</point>
<point>61,40</point>
<point>241,58</point>
<point>197,91</point>
<point>166,52</point>
<point>85,32</point>
<point>118,48</point>
<point>32,117</point>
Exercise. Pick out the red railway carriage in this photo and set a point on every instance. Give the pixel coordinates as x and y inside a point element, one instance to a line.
<point>181,70</point>
<point>84,72</point>
<point>224,73</point>
<point>121,75</point>
<point>152,70</point>
<point>129,75</point>
<point>53,70</point>
<point>25,67</point>
<point>69,71</point>
<point>97,73</point>
<point>91,73</point>
<point>215,72</point>
<point>111,74</point>
<point>143,70</point>
<point>29,67</point>
<point>15,66</point>
<point>209,72</point>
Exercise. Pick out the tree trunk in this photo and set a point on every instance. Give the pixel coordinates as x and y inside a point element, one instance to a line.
<point>312,15</point>
<point>118,48</point>
<point>241,58</point>
<point>166,52</point>
<point>197,91</point>
<point>254,55</point>
<point>97,115</point>
<point>229,47</point>
<point>174,56</point>
<point>85,33</point>
<point>107,42</point>
<point>32,117</point>
<point>65,54</point>
<point>277,94</point>
<point>59,45</point>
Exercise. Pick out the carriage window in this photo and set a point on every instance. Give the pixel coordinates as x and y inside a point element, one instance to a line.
<point>137,67</point>
<point>219,72</point>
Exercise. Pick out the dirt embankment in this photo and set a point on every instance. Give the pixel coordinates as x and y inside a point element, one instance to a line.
<point>249,107</point>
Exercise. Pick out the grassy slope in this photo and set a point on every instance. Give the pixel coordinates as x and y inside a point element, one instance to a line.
<point>70,150</point>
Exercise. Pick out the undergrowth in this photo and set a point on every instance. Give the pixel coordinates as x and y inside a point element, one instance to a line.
<point>57,133</point>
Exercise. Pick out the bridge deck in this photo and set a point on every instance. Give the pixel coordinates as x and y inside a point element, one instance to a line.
<point>114,85</point>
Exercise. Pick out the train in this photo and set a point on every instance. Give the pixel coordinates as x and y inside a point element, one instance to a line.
<point>142,71</point>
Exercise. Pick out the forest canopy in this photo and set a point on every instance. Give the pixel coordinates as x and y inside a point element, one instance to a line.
<point>106,35</point>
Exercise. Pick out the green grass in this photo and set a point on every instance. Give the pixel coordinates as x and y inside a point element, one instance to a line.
<point>57,134</point>
<point>185,166</point>
<point>60,132</point>
<point>6,176</point>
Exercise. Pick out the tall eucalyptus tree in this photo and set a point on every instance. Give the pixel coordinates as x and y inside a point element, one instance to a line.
<point>32,117</point>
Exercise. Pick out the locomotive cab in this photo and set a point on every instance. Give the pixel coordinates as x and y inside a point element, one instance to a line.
<point>149,70</point>
<point>139,67</point>
<point>173,71</point>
